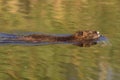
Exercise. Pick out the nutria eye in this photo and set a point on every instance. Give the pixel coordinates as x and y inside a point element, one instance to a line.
<point>80,33</point>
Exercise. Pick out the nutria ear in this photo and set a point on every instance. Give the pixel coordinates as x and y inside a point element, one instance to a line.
<point>79,33</point>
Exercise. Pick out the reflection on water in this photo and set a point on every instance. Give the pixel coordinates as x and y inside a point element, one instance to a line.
<point>60,62</point>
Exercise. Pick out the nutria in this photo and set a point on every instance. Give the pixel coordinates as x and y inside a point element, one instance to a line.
<point>80,38</point>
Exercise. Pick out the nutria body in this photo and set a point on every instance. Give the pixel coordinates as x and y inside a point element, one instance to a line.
<point>80,38</point>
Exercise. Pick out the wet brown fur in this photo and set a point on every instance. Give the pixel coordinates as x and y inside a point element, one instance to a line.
<point>83,38</point>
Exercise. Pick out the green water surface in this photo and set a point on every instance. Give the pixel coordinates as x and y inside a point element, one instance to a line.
<point>60,62</point>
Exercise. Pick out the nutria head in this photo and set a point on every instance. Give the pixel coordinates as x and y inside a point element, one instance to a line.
<point>86,38</point>
<point>86,35</point>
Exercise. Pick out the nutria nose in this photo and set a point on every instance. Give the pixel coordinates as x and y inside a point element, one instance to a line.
<point>98,32</point>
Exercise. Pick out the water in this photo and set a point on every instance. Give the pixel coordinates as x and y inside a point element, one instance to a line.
<point>60,62</point>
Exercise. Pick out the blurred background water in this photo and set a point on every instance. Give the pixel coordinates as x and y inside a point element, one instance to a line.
<point>60,62</point>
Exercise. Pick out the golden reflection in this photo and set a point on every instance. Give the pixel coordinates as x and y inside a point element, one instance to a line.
<point>13,6</point>
<point>58,10</point>
<point>75,59</point>
<point>103,69</point>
